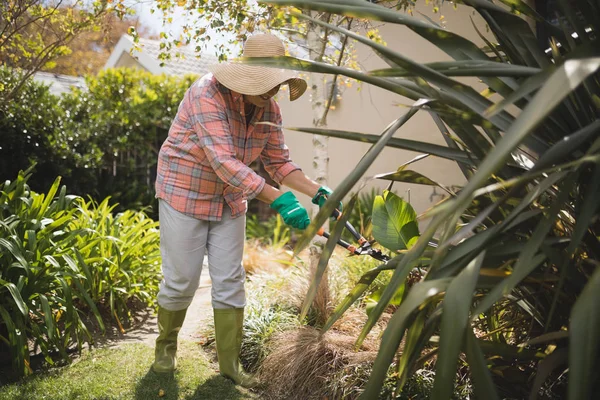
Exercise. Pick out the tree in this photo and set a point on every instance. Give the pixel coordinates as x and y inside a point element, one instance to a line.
<point>89,51</point>
<point>33,33</point>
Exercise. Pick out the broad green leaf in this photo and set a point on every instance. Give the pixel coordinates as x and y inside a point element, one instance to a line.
<point>455,321</point>
<point>394,332</point>
<point>405,265</point>
<point>394,222</point>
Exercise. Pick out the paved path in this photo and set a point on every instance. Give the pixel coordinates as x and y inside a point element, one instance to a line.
<point>199,313</point>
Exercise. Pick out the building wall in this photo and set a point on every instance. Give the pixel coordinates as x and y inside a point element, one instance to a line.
<point>371,109</point>
<point>127,61</point>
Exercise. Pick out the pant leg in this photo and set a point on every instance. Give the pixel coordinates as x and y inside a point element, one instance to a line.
<point>226,240</point>
<point>182,247</point>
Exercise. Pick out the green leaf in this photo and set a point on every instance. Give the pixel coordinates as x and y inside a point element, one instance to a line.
<point>394,222</point>
<point>455,321</point>
<point>405,144</point>
<point>409,176</point>
<point>554,91</point>
<point>545,368</point>
<point>394,332</point>
<point>482,379</point>
<point>48,317</point>
<point>16,295</point>
<point>584,331</point>
<point>464,68</point>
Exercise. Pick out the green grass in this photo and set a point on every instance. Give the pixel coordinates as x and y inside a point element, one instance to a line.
<point>124,373</point>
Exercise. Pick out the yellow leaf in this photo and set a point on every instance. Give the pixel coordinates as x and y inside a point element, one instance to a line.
<point>161,393</point>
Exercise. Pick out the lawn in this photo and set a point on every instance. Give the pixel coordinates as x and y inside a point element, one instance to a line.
<point>124,373</point>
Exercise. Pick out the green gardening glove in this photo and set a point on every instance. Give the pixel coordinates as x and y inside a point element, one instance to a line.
<point>321,197</point>
<point>292,212</point>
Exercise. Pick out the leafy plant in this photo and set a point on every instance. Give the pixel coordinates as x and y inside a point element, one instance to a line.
<point>64,262</point>
<point>515,270</point>
<point>273,232</point>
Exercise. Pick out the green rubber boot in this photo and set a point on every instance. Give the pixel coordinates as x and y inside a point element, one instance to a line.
<point>169,324</point>
<point>228,334</point>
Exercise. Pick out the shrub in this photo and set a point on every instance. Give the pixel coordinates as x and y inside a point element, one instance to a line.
<point>63,259</point>
<point>28,125</point>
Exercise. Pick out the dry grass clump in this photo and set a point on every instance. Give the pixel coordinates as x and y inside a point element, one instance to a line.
<point>306,364</point>
<point>264,259</point>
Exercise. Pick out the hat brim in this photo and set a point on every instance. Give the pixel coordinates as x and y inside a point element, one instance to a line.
<point>256,80</point>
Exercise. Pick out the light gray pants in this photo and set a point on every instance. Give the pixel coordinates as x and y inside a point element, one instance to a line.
<point>183,243</point>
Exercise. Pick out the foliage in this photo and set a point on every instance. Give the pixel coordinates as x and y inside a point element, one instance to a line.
<point>28,125</point>
<point>33,33</point>
<point>89,51</point>
<point>103,140</point>
<point>272,232</point>
<point>63,259</point>
<point>126,115</point>
<point>514,272</point>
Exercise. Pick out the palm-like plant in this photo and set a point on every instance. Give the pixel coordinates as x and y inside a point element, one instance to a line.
<point>513,280</point>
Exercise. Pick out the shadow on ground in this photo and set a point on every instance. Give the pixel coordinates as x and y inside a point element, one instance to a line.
<point>166,387</point>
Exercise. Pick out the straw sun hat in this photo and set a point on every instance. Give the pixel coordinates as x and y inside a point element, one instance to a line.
<point>256,80</point>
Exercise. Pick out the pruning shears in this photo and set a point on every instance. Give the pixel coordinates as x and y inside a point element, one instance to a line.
<point>364,246</point>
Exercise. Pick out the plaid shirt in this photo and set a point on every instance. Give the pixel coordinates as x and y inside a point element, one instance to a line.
<point>204,160</point>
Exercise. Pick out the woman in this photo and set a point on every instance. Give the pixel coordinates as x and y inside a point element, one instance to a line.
<point>203,186</point>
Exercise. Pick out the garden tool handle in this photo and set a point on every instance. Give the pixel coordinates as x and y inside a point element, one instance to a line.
<point>337,215</point>
<point>352,249</point>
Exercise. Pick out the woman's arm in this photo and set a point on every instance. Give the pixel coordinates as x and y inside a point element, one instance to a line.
<point>298,181</point>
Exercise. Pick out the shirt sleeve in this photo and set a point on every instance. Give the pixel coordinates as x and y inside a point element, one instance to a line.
<point>209,121</point>
<point>276,155</point>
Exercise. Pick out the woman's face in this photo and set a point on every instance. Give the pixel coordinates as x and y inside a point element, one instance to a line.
<point>263,99</point>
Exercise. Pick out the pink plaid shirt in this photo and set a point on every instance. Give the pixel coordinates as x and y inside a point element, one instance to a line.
<point>204,160</point>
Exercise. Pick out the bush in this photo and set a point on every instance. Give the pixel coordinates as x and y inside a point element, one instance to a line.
<point>126,115</point>
<point>63,259</point>
<point>28,125</point>
<point>103,140</point>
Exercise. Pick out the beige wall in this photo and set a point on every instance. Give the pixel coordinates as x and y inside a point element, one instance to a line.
<point>371,109</point>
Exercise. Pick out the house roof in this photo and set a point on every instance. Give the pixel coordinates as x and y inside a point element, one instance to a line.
<point>58,83</point>
<point>189,63</point>
<point>148,58</point>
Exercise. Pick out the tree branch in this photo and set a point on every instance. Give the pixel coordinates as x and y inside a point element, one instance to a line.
<point>323,120</point>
